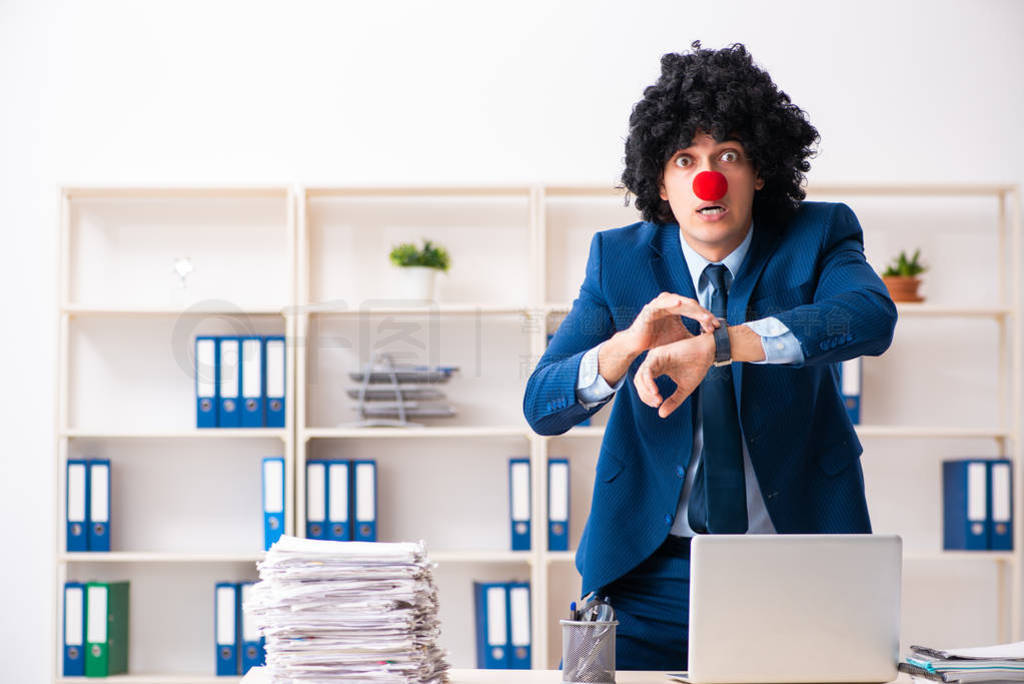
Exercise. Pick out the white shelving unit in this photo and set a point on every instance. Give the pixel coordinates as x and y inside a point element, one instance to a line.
<point>447,483</point>
<point>184,502</point>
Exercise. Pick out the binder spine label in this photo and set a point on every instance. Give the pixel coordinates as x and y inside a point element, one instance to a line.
<point>77,498</point>
<point>99,505</point>
<point>230,415</point>
<point>558,505</point>
<point>96,655</point>
<point>227,629</point>
<point>337,501</point>
<point>1001,529</point>
<point>365,501</point>
<point>316,504</point>
<point>252,382</point>
<point>519,626</point>
<point>74,630</point>
<point>206,382</point>
<point>519,503</point>
<point>275,381</point>
<point>273,500</point>
<point>497,635</point>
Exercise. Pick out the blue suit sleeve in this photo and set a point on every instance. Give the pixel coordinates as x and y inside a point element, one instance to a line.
<point>549,402</point>
<point>778,342</point>
<point>852,314</point>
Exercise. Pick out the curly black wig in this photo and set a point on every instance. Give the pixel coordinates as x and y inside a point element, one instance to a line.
<point>723,93</point>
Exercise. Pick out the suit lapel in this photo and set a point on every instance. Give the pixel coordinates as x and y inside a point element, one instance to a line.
<point>669,266</point>
<point>672,275</point>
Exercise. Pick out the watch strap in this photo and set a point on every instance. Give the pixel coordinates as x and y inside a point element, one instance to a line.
<point>723,349</point>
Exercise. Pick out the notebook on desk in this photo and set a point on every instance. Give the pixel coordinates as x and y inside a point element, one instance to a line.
<point>794,608</point>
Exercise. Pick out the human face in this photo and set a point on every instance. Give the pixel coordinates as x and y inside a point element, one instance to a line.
<point>713,237</point>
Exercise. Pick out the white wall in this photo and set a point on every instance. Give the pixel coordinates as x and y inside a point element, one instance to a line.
<point>428,93</point>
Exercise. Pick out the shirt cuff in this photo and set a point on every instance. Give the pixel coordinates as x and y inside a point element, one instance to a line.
<point>779,343</point>
<point>591,388</point>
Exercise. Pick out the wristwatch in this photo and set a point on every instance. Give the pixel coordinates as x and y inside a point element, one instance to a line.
<point>723,350</point>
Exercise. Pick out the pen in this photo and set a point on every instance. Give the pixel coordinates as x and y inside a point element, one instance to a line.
<point>572,611</point>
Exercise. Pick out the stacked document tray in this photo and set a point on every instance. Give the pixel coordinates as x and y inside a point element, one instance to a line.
<point>390,394</point>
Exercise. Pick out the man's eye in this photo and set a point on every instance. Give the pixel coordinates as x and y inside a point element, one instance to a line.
<point>682,161</point>
<point>735,156</point>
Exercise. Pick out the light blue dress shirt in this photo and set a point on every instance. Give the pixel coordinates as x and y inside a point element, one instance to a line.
<point>780,346</point>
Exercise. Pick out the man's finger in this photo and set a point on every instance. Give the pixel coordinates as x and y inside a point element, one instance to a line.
<point>692,309</point>
<point>646,387</point>
<point>672,403</point>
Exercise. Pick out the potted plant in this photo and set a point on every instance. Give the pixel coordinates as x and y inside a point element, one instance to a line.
<point>418,268</point>
<point>901,278</point>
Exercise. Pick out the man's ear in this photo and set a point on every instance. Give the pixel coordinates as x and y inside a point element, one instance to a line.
<point>758,183</point>
<point>661,190</point>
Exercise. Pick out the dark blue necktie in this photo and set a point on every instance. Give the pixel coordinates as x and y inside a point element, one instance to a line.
<point>718,501</point>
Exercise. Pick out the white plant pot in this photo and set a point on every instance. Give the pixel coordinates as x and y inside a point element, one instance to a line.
<point>416,282</point>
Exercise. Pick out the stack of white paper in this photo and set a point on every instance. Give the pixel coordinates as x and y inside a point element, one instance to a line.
<point>1002,662</point>
<point>348,611</point>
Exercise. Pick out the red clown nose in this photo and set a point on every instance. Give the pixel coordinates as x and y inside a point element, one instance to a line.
<point>710,185</point>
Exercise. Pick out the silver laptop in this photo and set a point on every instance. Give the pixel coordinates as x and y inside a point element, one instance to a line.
<point>794,608</point>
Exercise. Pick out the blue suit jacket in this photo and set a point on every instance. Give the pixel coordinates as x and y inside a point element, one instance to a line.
<point>811,274</point>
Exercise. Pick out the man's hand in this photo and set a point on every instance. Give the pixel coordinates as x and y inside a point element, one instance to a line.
<point>657,324</point>
<point>686,361</point>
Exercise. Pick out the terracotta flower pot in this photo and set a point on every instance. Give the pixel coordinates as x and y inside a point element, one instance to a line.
<point>903,288</point>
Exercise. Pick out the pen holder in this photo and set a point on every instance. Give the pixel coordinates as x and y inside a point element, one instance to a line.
<point>588,651</point>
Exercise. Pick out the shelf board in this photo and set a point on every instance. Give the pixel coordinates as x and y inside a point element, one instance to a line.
<point>155,679</point>
<point>910,431</point>
<point>446,557</point>
<point>414,433</point>
<point>420,191</point>
<point>560,556</point>
<point>903,309</point>
<point>583,191</point>
<point>996,556</point>
<point>933,310</point>
<point>128,192</point>
<point>208,433</point>
<point>89,310</point>
<point>157,557</point>
<point>456,308</point>
<point>582,431</point>
<point>923,189</point>
<point>327,309</point>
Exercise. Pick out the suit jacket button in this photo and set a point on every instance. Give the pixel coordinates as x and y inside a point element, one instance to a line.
<point>668,519</point>
<point>680,471</point>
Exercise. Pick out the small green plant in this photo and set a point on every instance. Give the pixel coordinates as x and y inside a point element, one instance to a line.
<point>431,256</point>
<point>901,266</point>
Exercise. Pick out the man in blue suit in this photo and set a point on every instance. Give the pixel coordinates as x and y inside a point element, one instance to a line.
<point>718,320</point>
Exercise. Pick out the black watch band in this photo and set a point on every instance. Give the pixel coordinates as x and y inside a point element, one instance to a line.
<point>723,350</point>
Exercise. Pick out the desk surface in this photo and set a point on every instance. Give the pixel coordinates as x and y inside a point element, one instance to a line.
<point>555,676</point>
<point>257,676</point>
